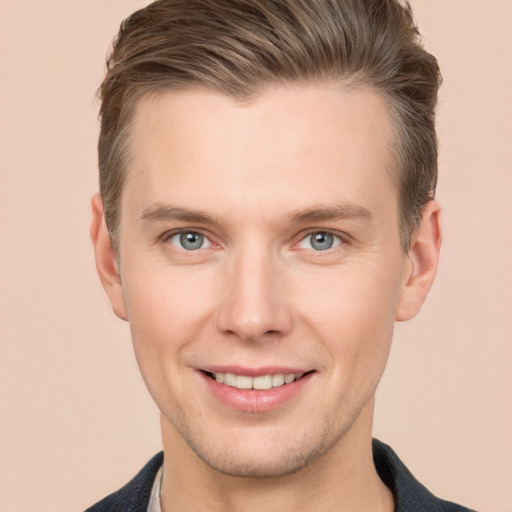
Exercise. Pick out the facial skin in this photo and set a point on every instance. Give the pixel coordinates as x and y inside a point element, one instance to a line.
<point>252,185</point>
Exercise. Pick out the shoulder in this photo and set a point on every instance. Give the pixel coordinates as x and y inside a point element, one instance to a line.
<point>410,495</point>
<point>134,496</point>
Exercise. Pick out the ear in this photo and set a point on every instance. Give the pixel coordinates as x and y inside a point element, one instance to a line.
<point>422,262</point>
<point>106,263</point>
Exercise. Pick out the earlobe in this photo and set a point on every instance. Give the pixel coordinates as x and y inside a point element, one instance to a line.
<point>106,263</point>
<point>421,266</point>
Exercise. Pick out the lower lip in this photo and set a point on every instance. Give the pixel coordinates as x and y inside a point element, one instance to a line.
<point>256,400</point>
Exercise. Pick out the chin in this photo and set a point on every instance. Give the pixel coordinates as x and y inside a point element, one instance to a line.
<point>261,456</point>
<point>258,466</point>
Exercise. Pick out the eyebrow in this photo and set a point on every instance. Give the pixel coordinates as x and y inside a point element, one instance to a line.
<point>337,212</point>
<point>160,212</point>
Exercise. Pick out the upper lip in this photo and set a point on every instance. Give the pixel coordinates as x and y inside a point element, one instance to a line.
<point>255,371</point>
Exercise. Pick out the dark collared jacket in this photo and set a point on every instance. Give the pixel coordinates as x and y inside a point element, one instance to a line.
<point>409,494</point>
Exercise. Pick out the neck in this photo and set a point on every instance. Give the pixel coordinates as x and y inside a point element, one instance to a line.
<point>344,479</point>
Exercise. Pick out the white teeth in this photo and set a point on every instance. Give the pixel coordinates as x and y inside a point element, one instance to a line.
<point>229,379</point>
<point>277,379</point>
<point>263,382</point>
<point>260,382</point>
<point>243,382</point>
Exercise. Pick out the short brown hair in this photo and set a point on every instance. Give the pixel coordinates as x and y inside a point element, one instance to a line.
<point>238,47</point>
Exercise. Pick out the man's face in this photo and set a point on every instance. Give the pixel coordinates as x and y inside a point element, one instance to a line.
<point>258,243</point>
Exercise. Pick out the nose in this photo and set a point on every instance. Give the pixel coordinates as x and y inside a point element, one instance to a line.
<point>255,303</point>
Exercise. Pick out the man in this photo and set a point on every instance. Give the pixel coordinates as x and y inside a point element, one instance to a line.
<point>266,213</point>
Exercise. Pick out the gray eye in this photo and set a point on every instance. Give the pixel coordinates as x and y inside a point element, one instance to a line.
<point>189,240</point>
<point>321,241</point>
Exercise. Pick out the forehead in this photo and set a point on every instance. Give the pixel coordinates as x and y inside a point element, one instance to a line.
<point>291,146</point>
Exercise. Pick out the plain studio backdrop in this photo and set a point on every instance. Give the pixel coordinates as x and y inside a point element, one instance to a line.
<point>76,419</point>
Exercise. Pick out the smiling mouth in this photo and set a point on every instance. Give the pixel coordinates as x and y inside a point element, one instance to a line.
<point>260,382</point>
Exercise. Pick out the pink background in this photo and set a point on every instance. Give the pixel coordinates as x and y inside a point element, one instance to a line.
<point>76,420</point>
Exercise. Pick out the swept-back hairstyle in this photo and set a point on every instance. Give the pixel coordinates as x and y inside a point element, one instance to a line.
<point>238,47</point>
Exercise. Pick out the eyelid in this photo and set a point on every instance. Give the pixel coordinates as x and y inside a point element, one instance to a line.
<point>342,237</point>
<point>165,237</point>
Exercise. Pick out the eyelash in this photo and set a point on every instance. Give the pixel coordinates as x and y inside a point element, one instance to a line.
<point>169,235</point>
<point>335,236</point>
<point>339,240</point>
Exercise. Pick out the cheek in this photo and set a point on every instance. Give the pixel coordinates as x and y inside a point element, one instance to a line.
<point>167,309</point>
<point>351,312</point>
<point>167,312</point>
